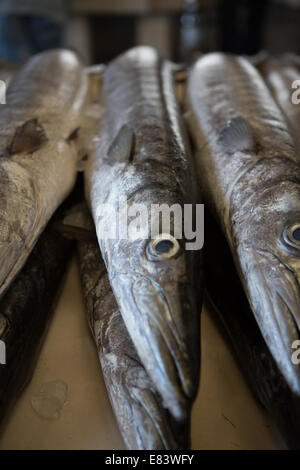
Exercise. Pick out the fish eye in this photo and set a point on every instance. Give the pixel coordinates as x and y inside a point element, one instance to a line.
<point>292,235</point>
<point>162,247</point>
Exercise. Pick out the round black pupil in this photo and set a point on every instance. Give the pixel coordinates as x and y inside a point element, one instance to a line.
<point>164,246</point>
<point>296,234</point>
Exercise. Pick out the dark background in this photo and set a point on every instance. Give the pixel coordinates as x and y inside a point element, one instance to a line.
<point>183,29</point>
<point>179,29</point>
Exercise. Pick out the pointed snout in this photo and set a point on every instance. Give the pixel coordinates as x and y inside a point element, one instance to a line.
<point>274,294</point>
<point>164,327</point>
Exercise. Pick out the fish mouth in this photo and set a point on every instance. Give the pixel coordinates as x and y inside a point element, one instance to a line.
<point>154,319</point>
<point>274,294</point>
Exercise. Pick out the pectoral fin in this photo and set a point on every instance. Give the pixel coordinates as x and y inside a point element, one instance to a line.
<point>237,136</point>
<point>28,138</point>
<point>122,146</point>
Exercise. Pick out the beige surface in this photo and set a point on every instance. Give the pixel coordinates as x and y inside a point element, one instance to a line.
<point>225,416</point>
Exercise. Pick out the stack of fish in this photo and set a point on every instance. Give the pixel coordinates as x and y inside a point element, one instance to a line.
<point>38,167</point>
<point>249,170</point>
<point>122,125</point>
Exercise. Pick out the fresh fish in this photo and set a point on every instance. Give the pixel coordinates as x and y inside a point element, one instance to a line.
<point>238,324</point>
<point>38,151</point>
<point>281,75</point>
<point>143,421</point>
<point>141,156</point>
<point>249,171</point>
<point>25,312</point>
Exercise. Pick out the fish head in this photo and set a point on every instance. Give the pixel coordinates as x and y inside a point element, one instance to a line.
<point>156,282</point>
<point>269,254</point>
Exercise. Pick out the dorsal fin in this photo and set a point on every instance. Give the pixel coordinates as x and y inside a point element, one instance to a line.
<point>28,138</point>
<point>122,145</point>
<point>237,136</point>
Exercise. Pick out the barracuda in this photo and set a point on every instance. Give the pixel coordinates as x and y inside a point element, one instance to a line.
<point>38,153</point>
<point>141,155</point>
<point>250,174</point>
<point>143,421</point>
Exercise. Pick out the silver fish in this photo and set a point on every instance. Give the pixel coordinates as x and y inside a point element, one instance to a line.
<point>280,74</point>
<point>38,153</point>
<point>143,421</point>
<point>250,174</point>
<point>141,154</point>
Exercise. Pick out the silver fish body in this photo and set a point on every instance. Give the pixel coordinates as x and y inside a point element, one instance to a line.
<point>142,157</point>
<point>38,157</point>
<point>250,174</point>
<point>143,422</point>
<point>281,75</point>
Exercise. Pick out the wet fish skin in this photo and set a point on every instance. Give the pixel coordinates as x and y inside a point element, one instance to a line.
<point>143,422</point>
<point>38,161</point>
<point>25,312</point>
<point>230,309</point>
<point>279,74</point>
<point>249,171</point>
<point>143,156</point>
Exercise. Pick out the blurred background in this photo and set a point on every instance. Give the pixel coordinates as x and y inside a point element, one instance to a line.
<point>179,29</point>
